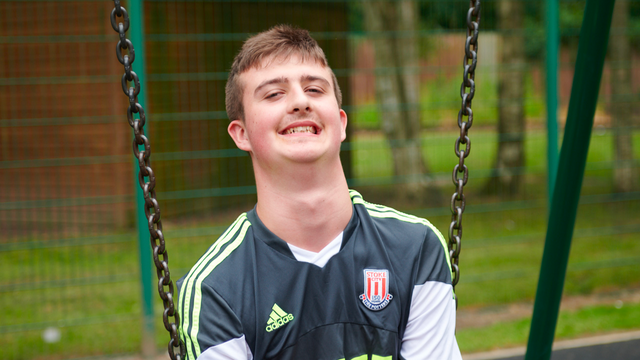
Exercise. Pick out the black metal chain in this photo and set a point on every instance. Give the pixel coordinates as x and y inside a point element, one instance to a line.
<point>458,200</point>
<point>151,208</point>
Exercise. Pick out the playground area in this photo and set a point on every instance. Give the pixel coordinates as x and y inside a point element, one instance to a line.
<point>76,276</point>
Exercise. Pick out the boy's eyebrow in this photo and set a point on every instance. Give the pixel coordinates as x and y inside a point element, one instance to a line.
<point>278,80</point>
<point>310,78</point>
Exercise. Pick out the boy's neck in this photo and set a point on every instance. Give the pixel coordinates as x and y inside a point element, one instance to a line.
<point>306,206</point>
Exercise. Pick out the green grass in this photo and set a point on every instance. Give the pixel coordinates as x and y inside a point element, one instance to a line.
<point>440,103</point>
<point>587,321</point>
<point>438,149</point>
<point>440,100</point>
<point>117,336</point>
<point>502,248</point>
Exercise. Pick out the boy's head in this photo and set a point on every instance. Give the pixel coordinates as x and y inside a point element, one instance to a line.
<point>279,42</point>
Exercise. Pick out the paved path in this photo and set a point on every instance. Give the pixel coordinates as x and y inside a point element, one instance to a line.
<point>625,350</point>
<point>623,346</point>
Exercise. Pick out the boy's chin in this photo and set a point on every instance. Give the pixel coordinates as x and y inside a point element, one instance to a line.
<point>310,156</point>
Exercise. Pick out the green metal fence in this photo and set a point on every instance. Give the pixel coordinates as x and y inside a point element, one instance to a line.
<point>69,265</point>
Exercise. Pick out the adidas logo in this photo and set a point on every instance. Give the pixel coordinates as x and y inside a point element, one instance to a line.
<point>278,318</point>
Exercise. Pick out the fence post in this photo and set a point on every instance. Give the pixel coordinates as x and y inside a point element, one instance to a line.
<point>552,93</point>
<point>592,48</point>
<point>148,346</point>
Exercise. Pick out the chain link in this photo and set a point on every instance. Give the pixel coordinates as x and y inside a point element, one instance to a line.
<point>151,207</point>
<point>460,174</point>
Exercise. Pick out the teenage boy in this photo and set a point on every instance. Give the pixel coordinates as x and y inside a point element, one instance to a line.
<point>313,271</point>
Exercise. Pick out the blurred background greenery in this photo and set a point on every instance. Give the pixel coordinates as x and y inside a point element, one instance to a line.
<point>70,279</point>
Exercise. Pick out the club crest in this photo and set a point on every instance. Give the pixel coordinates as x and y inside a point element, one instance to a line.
<point>376,289</point>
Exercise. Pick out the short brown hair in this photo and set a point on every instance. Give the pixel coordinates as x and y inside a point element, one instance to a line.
<point>279,42</point>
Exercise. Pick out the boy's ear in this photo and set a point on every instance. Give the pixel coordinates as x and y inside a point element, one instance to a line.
<point>343,121</point>
<point>238,133</point>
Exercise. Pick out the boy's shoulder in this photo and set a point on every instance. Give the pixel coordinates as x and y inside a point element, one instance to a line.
<point>216,256</point>
<point>410,242</point>
<point>387,217</point>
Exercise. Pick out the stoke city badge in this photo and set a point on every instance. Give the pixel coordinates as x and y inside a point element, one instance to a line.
<point>376,289</point>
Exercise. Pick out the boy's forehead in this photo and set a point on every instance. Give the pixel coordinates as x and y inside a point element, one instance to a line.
<point>288,59</point>
<point>287,63</point>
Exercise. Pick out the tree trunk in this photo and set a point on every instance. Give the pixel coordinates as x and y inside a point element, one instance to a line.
<point>621,99</point>
<point>398,92</point>
<point>509,163</point>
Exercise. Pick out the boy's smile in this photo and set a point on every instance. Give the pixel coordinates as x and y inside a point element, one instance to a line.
<point>291,114</point>
<point>311,129</point>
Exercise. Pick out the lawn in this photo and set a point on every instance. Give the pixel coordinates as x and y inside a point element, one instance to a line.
<point>571,324</point>
<point>440,109</point>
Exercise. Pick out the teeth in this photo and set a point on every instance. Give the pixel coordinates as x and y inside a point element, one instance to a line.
<point>300,129</point>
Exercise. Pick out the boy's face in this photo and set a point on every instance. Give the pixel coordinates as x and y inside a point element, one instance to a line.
<point>291,114</point>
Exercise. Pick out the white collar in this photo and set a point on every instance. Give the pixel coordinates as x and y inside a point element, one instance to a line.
<point>318,258</point>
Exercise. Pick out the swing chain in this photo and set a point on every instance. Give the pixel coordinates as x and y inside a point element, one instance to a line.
<point>460,174</point>
<point>151,207</point>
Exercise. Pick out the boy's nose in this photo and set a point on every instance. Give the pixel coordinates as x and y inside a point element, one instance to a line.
<point>298,109</point>
<point>299,102</point>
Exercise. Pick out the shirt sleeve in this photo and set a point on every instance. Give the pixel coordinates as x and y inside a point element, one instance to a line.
<point>430,331</point>
<point>209,327</point>
<point>431,323</point>
<point>234,349</point>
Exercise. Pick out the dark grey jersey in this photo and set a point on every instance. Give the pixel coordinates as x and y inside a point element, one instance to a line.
<point>386,294</point>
